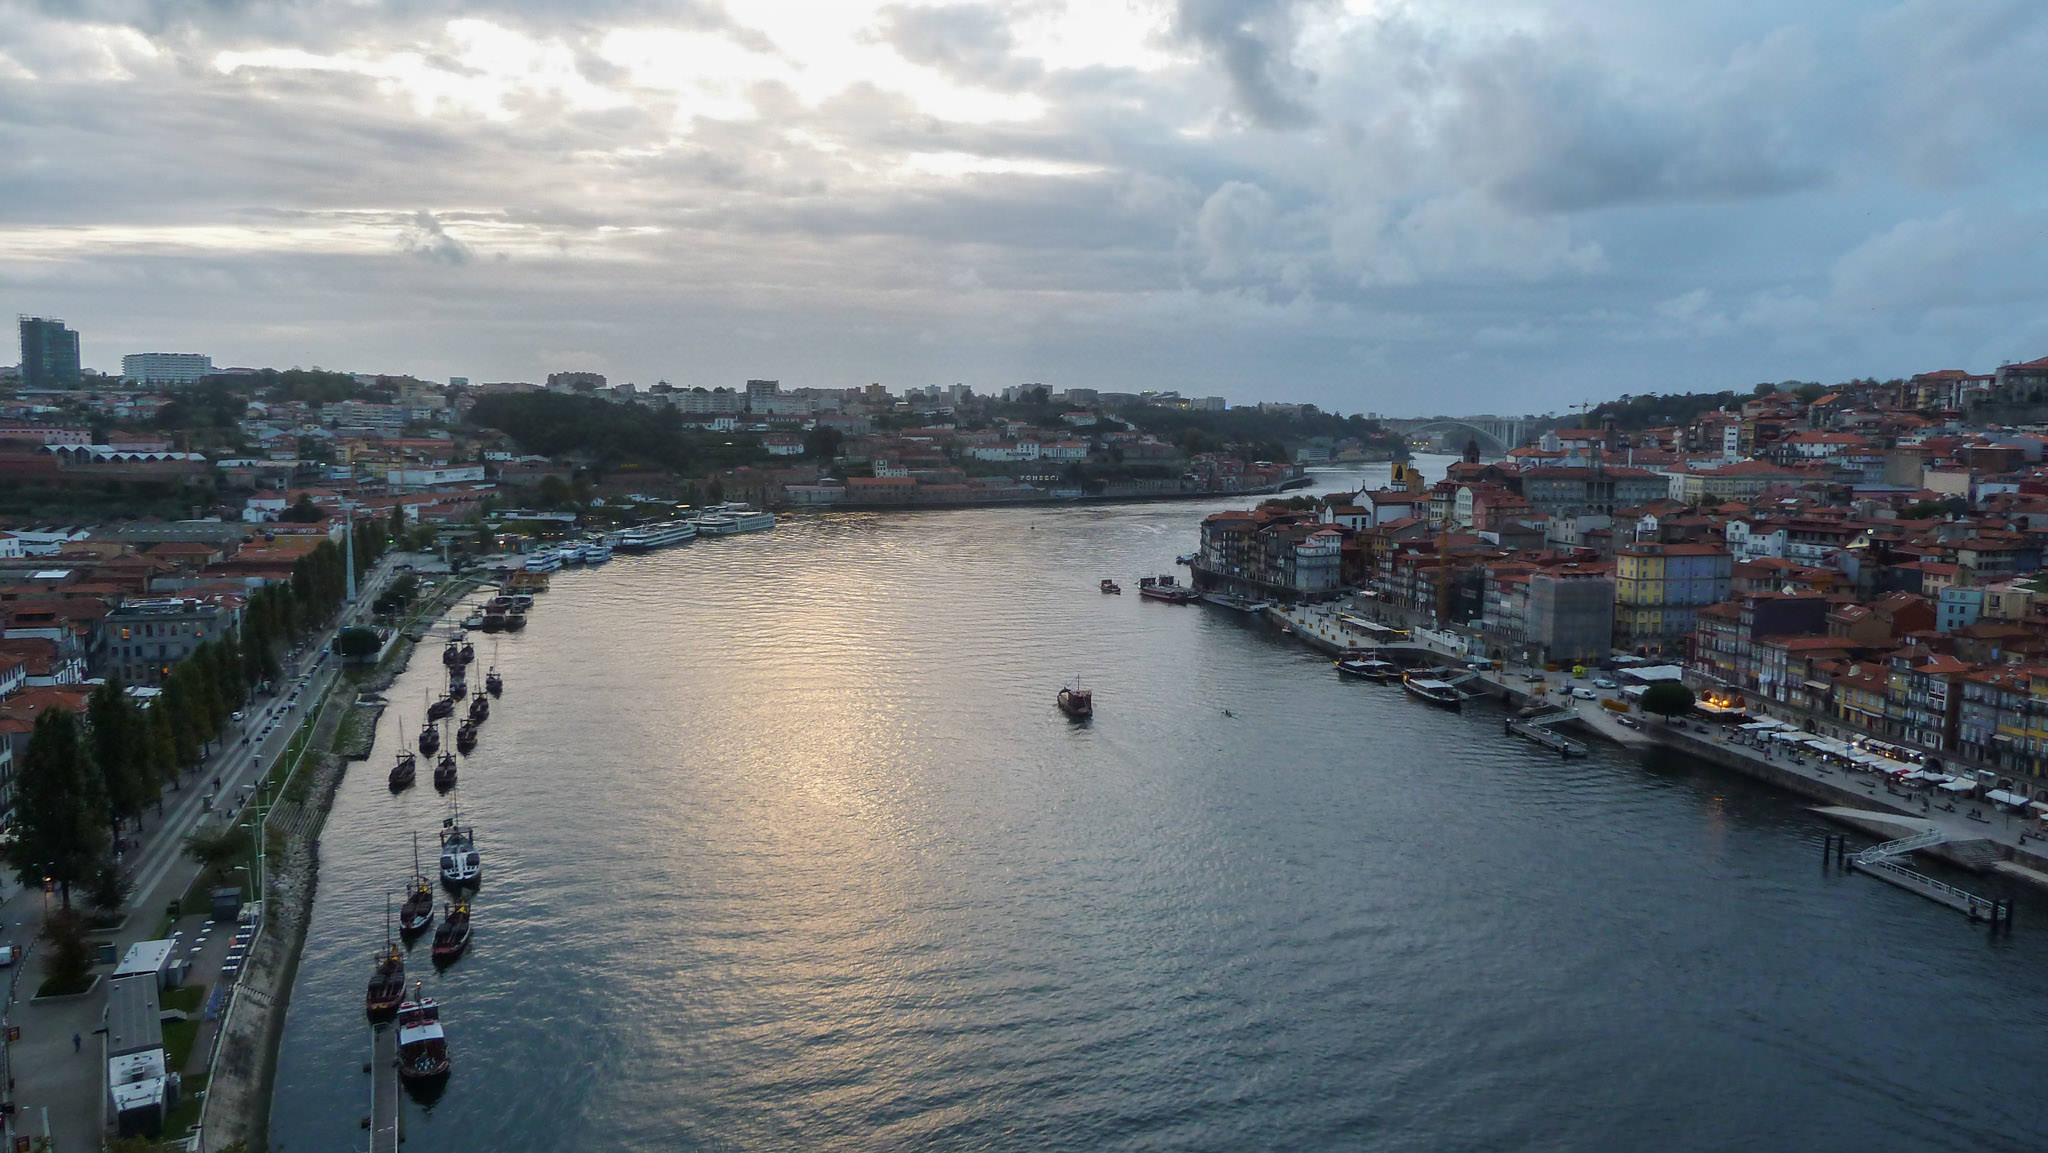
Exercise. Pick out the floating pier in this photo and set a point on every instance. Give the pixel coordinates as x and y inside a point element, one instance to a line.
<point>1881,861</point>
<point>1538,729</point>
<point>384,1136</point>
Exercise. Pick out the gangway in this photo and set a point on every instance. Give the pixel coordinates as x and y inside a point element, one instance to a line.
<point>1926,839</point>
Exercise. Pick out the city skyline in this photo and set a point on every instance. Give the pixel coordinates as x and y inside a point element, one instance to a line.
<point>1397,208</point>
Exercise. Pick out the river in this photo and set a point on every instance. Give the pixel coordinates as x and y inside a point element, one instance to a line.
<point>786,847</point>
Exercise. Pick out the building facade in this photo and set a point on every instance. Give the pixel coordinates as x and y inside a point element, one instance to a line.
<point>165,367</point>
<point>1660,588</point>
<point>49,354</point>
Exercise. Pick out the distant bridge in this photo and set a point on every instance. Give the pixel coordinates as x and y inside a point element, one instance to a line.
<point>1496,435</point>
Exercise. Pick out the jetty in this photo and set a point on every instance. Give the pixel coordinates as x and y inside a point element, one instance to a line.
<point>1538,729</point>
<point>1883,862</point>
<point>384,1135</point>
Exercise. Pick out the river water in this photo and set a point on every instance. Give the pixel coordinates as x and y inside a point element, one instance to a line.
<point>786,847</point>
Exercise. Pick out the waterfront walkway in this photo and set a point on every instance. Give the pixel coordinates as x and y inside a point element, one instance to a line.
<point>57,1083</point>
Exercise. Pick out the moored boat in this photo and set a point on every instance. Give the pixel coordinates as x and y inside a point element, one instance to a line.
<point>444,772</point>
<point>1078,703</point>
<point>468,652</point>
<point>1442,694</point>
<point>515,620</point>
<point>596,552</point>
<point>451,653</point>
<point>473,621</point>
<point>547,561</point>
<point>1370,668</point>
<point>403,772</point>
<point>493,683</point>
<point>1110,586</point>
<point>387,984</point>
<point>430,738</point>
<point>441,709</point>
<point>479,709</point>
<point>465,739</point>
<point>422,1046</point>
<point>461,864</point>
<point>494,620</point>
<point>453,936</point>
<point>1165,588</point>
<point>647,538</point>
<point>418,910</point>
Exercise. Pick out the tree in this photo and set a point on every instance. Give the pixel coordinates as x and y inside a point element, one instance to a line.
<point>1667,699</point>
<point>715,494</point>
<point>117,750</point>
<point>219,853</point>
<point>303,512</point>
<point>822,443</point>
<point>553,491</point>
<point>357,644</point>
<point>60,807</point>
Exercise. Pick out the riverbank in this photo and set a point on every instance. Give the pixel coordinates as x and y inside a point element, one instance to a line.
<point>1851,799</point>
<point>244,1071</point>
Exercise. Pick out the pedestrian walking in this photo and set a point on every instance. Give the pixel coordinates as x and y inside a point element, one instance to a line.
<point>77,1043</point>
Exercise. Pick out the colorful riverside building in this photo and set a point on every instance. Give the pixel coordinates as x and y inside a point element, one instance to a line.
<point>1659,590</point>
<point>1267,553</point>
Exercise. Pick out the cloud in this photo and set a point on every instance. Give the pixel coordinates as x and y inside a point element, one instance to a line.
<point>971,43</point>
<point>425,238</point>
<point>1254,42</point>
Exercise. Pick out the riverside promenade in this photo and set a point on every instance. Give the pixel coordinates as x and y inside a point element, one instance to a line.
<point>58,1086</point>
<point>2001,844</point>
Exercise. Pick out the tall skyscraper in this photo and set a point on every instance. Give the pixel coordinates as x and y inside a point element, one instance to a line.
<point>49,354</point>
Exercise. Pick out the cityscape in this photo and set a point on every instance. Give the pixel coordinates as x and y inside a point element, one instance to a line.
<point>1040,577</point>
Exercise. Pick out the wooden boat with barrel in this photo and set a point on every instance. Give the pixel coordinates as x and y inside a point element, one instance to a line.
<point>444,772</point>
<point>403,772</point>
<point>418,910</point>
<point>465,738</point>
<point>493,683</point>
<point>479,710</point>
<point>451,940</point>
<point>422,1046</point>
<point>1078,703</point>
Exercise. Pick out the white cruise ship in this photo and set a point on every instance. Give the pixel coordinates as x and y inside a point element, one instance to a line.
<point>649,537</point>
<point>729,519</point>
<point>596,552</point>
<point>546,561</point>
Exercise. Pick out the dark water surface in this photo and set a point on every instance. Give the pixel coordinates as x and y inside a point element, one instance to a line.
<point>786,847</point>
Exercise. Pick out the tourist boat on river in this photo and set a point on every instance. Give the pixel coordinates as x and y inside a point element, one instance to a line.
<point>468,652</point>
<point>545,561</point>
<point>430,738</point>
<point>444,771</point>
<point>418,910</point>
<point>649,537</point>
<point>596,552</point>
<point>465,737</point>
<point>404,771</point>
<point>451,654</point>
<point>493,683</point>
<point>422,1046</point>
<point>479,709</point>
<point>1078,703</point>
<point>1440,693</point>
<point>387,984</point>
<point>1110,586</point>
<point>1370,668</point>
<point>441,709</point>
<point>460,863</point>
<point>1186,558</point>
<point>1165,588</point>
<point>453,936</point>
<point>733,518</point>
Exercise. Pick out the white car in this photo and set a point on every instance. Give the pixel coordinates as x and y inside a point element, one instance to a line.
<point>1585,694</point>
<point>6,956</point>
<point>1603,682</point>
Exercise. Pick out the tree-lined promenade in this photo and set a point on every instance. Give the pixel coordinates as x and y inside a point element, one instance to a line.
<point>85,777</point>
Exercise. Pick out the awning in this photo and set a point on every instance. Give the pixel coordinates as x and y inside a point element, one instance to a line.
<point>1958,785</point>
<point>2001,797</point>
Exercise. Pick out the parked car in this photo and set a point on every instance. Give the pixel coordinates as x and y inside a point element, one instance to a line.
<point>1603,682</point>
<point>1585,694</point>
<point>1535,678</point>
<point>1629,721</point>
<point>6,956</point>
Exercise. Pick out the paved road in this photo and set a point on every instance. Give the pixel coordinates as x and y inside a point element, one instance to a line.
<point>55,1083</point>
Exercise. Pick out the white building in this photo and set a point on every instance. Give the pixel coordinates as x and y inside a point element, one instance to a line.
<point>165,367</point>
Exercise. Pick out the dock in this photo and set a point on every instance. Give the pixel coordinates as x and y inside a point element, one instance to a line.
<point>1882,861</point>
<point>1538,729</point>
<point>384,1093</point>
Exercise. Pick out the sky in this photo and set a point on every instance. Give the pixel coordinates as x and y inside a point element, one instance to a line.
<point>1398,207</point>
